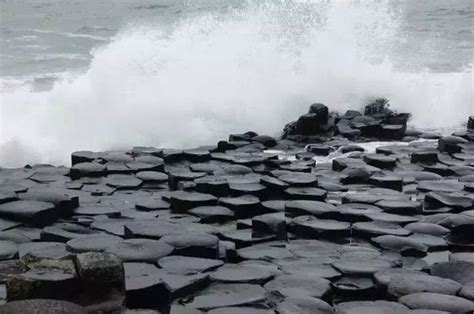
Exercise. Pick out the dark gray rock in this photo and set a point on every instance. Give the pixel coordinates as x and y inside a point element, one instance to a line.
<point>194,244</point>
<point>403,245</point>
<point>47,280</point>
<point>441,186</point>
<point>87,169</point>
<point>377,228</point>
<point>401,207</point>
<point>307,207</point>
<point>401,285</point>
<point>313,266</point>
<point>353,212</point>
<point>467,291</point>
<point>152,204</point>
<point>355,175</point>
<point>384,277</point>
<point>240,189</point>
<point>391,218</point>
<point>34,251</point>
<point>440,199</point>
<point>380,161</point>
<point>319,149</point>
<point>225,295</point>
<point>145,287</point>
<point>243,206</point>
<point>97,210</point>
<point>140,250</point>
<point>123,181</point>
<point>304,305</point>
<point>41,306</point>
<point>364,307</point>
<point>241,309</point>
<point>8,250</point>
<point>460,271</point>
<point>424,157</point>
<point>264,252</point>
<point>152,176</point>
<point>450,144</point>
<point>437,301</point>
<point>101,276</point>
<point>231,273</point>
<point>387,182</point>
<point>462,236</point>
<point>353,287</point>
<point>299,286</point>
<point>188,265</point>
<point>299,179</point>
<point>427,228</point>
<point>212,214</point>
<point>306,193</point>
<point>361,265</point>
<point>273,223</point>
<point>31,212</point>
<point>462,256</point>
<point>314,228</point>
<point>92,243</point>
<point>351,148</point>
<point>183,201</point>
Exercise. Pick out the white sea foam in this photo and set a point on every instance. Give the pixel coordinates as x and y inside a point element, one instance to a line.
<point>255,68</point>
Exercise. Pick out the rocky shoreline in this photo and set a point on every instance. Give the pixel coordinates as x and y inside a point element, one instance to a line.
<point>252,224</point>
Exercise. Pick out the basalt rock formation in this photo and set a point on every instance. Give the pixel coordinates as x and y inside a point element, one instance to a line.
<point>253,224</point>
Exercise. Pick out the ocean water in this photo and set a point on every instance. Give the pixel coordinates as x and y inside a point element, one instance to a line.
<point>108,74</point>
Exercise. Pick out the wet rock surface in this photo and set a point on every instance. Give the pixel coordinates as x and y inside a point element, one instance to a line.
<point>315,222</point>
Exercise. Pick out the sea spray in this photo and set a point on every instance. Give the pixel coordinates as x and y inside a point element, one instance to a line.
<point>253,68</point>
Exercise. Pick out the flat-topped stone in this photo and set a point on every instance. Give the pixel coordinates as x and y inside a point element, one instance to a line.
<point>140,250</point>
<point>401,285</point>
<point>400,207</point>
<point>194,244</point>
<point>87,169</point>
<point>183,201</point>
<point>299,285</point>
<point>299,179</point>
<point>92,243</point>
<point>306,193</point>
<point>225,295</point>
<point>304,305</point>
<point>440,199</point>
<point>31,212</point>
<point>376,228</point>
<point>460,271</point>
<point>380,161</point>
<point>308,207</point>
<point>403,245</point>
<point>312,227</point>
<point>363,265</point>
<point>231,273</point>
<point>210,214</point>
<point>123,181</point>
<point>437,301</point>
<point>188,265</point>
<point>152,176</point>
<point>440,186</point>
<point>152,204</point>
<point>427,228</point>
<point>150,229</point>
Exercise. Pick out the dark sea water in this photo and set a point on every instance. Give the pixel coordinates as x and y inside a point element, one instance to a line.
<point>96,74</point>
